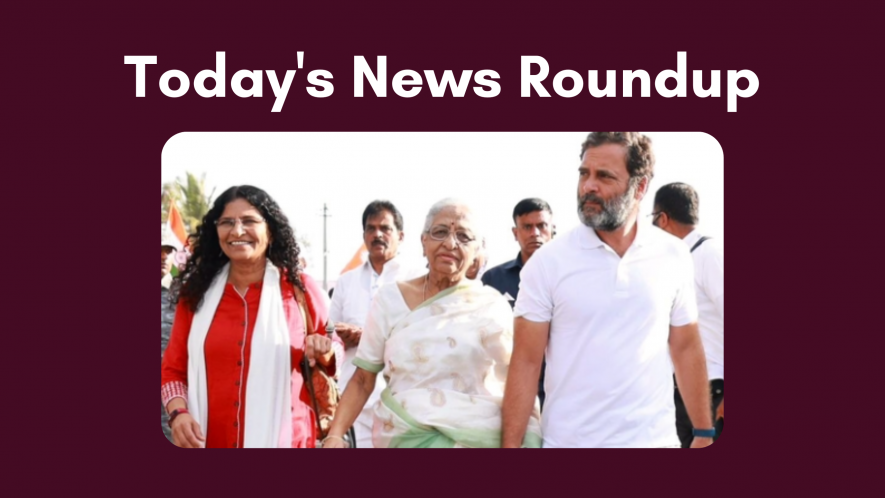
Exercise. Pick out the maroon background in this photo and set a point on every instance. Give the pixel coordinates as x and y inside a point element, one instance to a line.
<point>83,157</point>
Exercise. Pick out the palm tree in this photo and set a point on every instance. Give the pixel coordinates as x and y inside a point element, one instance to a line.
<point>169,193</point>
<point>195,203</point>
<point>190,197</point>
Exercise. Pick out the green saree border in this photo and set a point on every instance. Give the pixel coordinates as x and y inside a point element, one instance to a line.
<point>447,292</point>
<point>369,367</point>
<point>423,436</point>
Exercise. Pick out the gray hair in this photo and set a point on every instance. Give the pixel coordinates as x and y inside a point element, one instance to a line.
<point>449,202</point>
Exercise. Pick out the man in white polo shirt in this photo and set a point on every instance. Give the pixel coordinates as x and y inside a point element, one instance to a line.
<point>382,234</point>
<point>677,212</point>
<point>611,302</point>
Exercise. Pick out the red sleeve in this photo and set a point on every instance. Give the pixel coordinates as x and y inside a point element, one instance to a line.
<point>174,367</point>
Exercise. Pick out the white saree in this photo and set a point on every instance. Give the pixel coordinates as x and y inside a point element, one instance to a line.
<point>445,363</point>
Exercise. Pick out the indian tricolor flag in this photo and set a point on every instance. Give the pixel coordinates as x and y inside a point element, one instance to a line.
<point>175,225</point>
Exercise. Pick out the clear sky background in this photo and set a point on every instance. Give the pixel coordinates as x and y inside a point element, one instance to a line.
<point>491,172</point>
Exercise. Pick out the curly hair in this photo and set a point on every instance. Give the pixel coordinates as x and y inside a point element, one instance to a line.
<point>208,259</point>
<point>640,157</point>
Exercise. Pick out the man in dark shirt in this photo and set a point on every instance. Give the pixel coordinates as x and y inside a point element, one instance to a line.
<point>533,220</point>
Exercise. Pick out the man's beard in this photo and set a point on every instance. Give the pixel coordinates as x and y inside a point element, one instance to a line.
<point>613,213</point>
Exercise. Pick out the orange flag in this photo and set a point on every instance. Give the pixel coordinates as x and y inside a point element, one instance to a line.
<point>356,260</point>
<point>176,224</point>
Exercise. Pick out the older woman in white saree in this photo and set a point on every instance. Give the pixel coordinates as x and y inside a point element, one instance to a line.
<point>443,343</point>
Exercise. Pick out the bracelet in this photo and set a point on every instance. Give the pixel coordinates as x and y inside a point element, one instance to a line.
<point>175,414</point>
<point>703,432</point>
<point>336,437</point>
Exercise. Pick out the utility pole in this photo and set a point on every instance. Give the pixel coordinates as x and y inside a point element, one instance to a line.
<point>325,249</point>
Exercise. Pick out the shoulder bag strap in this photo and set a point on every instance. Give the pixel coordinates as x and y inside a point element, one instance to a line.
<point>302,305</point>
<point>306,372</point>
<point>703,239</point>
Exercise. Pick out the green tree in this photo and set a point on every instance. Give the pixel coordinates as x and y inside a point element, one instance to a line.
<point>189,195</point>
<point>170,194</point>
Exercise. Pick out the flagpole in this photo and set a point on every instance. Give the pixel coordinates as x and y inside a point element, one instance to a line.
<point>325,250</point>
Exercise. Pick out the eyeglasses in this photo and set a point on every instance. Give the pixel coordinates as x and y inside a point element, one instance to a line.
<point>441,233</point>
<point>228,224</point>
<point>654,216</point>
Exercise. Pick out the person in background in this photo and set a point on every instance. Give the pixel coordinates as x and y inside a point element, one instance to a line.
<point>677,212</point>
<point>478,268</point>
<point>169,244</point>
<point>382,231</point>
<point>532,228</point>
<point>183,255</point>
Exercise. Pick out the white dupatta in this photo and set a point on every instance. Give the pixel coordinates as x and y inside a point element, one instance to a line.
<point>268,388</point>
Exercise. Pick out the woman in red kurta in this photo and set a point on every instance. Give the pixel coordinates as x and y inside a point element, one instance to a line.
<point>229,328</point>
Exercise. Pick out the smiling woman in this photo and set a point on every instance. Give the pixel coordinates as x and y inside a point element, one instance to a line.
<point>232,365</point>
<point>243,234</point>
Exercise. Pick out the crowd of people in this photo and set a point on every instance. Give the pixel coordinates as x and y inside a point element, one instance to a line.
<point>610,335</point>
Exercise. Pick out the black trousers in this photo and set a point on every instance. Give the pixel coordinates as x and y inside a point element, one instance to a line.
<point>683,423</point>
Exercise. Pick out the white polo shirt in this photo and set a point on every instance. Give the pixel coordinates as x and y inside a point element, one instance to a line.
<point>609,377</point>
<point>709,279</point>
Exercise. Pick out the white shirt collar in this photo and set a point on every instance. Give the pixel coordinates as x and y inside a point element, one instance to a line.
<point>391,265</point>
<point>589,239</point>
